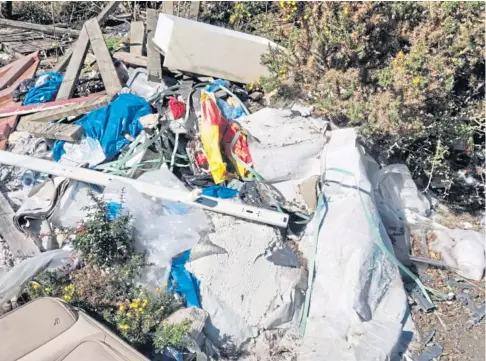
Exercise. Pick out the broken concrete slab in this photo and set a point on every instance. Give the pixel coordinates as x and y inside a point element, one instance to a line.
<point>205,49</point>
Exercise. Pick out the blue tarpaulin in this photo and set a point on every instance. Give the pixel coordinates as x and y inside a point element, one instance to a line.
<point>184,282</point>
<point>219,192</point>
<point>110,124</point>
<point>45,90</point>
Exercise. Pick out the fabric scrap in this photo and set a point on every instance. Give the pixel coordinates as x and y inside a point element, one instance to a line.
<point>45,90</point>
<point>220,192</point>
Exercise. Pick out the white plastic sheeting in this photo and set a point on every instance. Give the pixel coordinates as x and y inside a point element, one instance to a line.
<point>358,301</point>
<point>161,228</point>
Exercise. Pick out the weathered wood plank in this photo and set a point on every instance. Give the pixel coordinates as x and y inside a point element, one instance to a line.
<point>59,131</point>
<point>68,110</point>
<point>102,17</point>
<point>137,33</point>
<point>6,94</point>
<point>154,66</point>
<point>194,10</point>
<point>74,68</point>
<point>103,58</point>
<point>48,29</point>
<point>130,58</point>
<point>15,71</point>
<point>168,7</point>
<point>19,109</point>
<point>19,244</point>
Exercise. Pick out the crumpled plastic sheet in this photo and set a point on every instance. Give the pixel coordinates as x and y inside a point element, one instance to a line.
<point>45,89</point>
<point>110,124</point>
<point>162,228</point>
<point>12,282</point>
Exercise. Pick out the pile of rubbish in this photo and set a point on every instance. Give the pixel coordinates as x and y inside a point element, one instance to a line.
<point>299,242</point>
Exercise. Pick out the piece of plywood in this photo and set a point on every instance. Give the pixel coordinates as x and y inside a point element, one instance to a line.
<point>154,67</point>
<point>137,34</point>
<point>132,59</point>
<point>19,244</point>
<point>68,110</point>
<point>102,16</point>
<point>73,70</point>
<point>59,131</point>
<point>103,58</point>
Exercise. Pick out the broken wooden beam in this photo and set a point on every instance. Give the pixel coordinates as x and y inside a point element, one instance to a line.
<point>15,72</point>
<point>132,59</point>
<point>103,58</point>
<point>19,244</point>
<point>137,34</point>
<point>69,110</point>
<point>19,109</point>
<point>194,10</point>
<point>73,70</point>
<point>48,29</point>
<point>102,17</point>
<point>6,94</point>
<point>59,131</point>
<point>154,66</point>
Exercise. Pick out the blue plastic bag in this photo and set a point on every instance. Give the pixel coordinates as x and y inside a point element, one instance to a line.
<point>49,83</point>
<point>109,124</point>
<point>184,282</point>
<point>228,111</point>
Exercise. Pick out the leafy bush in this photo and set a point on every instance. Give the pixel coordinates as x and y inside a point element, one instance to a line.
<point>171,335</point>
<point>409,74</point>
<point>106,283</point>
<point>103,241</point>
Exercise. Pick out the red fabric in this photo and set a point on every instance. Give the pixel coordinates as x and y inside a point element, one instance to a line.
<point>177,108</point>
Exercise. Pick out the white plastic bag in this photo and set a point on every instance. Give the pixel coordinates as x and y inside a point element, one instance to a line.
<point>161,228</point>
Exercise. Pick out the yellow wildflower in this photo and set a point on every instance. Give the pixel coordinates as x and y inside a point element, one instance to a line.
<point>416,80</point>
<point>121,308</point>
<point>47,289</point>
<point>400,54</point>
<point>123,327</point>
<point>67,298</point>
<point>133,305</point>
<point>158,290</point>
<point>166,284</point>
<point>346,10</point>
<point>140,309</point>
<point>35,285</point>
<point>145,302</point>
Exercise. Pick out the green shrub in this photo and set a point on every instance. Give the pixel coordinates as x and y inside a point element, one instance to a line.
<point>409,74</point>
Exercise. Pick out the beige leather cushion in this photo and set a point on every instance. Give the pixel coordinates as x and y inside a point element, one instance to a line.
<point>92,351</point>
<point>32,325</point>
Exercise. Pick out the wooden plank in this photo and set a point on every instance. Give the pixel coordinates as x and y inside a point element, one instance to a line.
<point>137,33</point>
<point>102,17</point>
<point>130,58</point>
<point>48,29</point>
<point>168,7</point>
<point>59,131</point>
<point>154,66</point>
<point>19,109</point>
<point>103,58</point>
<point>194,10</point>
<point>68,110</point>
<point>16,71</point>
<point>73,70</point>
<point>6,94</point>
<point>19,244</point>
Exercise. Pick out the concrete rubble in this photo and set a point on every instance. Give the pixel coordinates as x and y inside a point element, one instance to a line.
<point>297,244</point>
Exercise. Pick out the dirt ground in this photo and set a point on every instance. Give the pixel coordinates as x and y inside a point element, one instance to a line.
<point>461,339</point>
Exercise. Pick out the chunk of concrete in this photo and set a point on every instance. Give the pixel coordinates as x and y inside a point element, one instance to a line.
<point>205,49</point>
